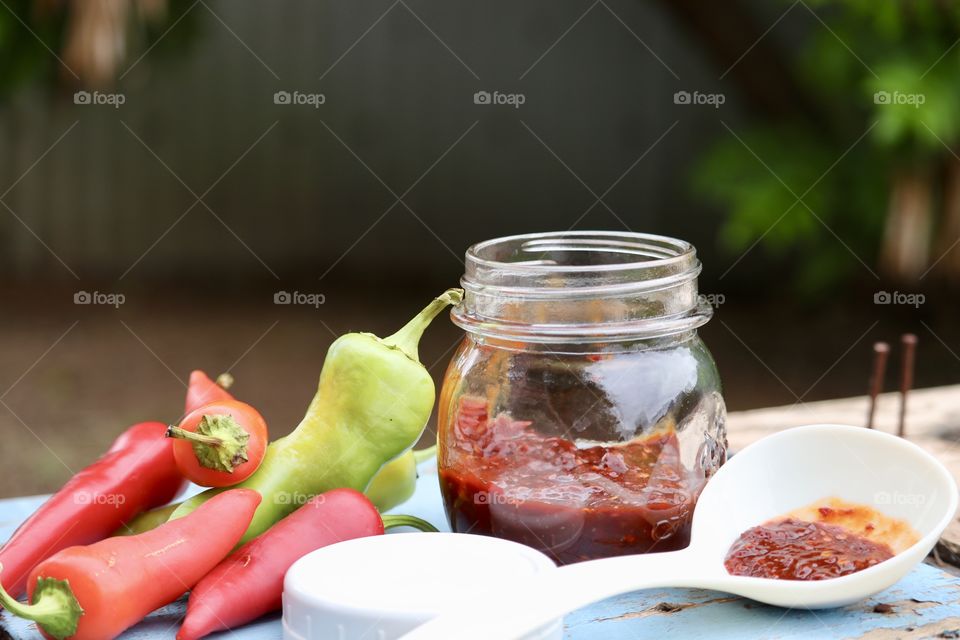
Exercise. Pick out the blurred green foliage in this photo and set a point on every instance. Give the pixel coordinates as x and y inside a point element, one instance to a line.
<point>24,56</point>
<point>31,29</point>
<point>863,69</point>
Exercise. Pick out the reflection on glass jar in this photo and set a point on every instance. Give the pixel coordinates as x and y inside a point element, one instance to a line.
<point>581,414</point>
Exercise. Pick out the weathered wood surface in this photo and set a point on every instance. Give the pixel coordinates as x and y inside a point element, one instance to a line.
<point>922,605</point>
<point>925,604</point>
<point>933,415</point>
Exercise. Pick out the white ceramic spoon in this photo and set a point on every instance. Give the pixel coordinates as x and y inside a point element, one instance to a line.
<point>775,475</point>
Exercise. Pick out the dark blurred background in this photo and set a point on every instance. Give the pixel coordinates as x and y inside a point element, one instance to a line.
<point>176,164</point>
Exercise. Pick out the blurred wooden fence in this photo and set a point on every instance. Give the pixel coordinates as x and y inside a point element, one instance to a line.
<point>399,99</point>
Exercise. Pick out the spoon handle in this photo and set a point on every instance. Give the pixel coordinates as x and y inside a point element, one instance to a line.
<point>523,607</point>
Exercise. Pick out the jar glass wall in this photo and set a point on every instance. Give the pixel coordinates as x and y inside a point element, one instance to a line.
<point>581,414</point>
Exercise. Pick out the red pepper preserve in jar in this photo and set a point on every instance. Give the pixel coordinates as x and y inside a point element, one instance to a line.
<point>582,414</point>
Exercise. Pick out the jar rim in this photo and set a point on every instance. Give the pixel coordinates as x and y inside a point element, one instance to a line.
<point>581,286</point>
<point>671,250</point>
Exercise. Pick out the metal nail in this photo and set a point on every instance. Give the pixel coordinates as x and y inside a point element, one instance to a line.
<point>880,352</point>
<point>908,342</point>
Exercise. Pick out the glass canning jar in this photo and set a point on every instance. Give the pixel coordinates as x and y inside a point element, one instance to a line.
<point>581,414</point>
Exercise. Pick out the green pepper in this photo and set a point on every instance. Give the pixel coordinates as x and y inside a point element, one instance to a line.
<point>147,521</point>
<point>395,483</point>
<point>372,403</point>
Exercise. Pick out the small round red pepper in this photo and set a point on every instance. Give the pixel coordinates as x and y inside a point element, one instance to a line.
<point>220,444</point>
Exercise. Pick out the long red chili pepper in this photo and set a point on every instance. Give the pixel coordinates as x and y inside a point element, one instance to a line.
<point>249,583</point>
<point>137,473</point>
<point>98,591</point>
<point>202,390</point>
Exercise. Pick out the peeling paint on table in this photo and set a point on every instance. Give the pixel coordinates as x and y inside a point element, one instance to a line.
<point>925,604</point>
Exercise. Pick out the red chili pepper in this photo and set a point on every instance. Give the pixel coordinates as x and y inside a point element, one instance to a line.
<point>98,591</point>
<point>249,583</point>
<point>202,390</point>
<point>137,473</point>
<point>220,444</point>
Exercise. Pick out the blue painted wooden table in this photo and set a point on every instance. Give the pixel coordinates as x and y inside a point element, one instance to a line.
<point>926,604</point>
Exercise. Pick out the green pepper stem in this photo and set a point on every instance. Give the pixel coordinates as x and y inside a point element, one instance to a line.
<point>54,607</point>
<point>409,336</point>
<point>422,455</point>
<point>393,521</point>
<point>219,442</point>
<point>183,434</point>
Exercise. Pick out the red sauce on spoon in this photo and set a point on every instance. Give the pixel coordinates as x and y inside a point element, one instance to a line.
<point>792,549</point>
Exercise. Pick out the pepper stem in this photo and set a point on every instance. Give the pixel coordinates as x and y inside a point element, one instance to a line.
<point>409,336</point>
<point>393,521</point>
<point>54,607</point>
<point>219,442</point>
<point>183,434</point>
<point>421,455</point>
<point>224,380</point>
